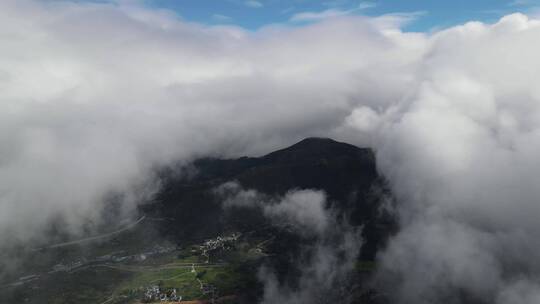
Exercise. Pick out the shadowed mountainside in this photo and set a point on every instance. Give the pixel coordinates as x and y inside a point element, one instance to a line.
<point>346,173</point>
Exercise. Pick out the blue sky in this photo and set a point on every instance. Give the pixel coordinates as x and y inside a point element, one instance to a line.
<point>254,14</point>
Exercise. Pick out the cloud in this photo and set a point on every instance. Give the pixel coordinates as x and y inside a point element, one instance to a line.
<point>329,13</point>
<point>221,18</point>
<point>466,195</point>
<point>520,3</point>
<point>96,96</point>
<point>341,3</point>
<point>335,3</point>
<point>398,20</point>
<point>366,5</point>
<point>253,4</point>
<point>323,267</point>
<point>324,275</point>
<point>304,210</point>
<point>314,16</point>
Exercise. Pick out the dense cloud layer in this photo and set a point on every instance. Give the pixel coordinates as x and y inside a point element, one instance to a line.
<point>95,96</point>
<point>461,156</point>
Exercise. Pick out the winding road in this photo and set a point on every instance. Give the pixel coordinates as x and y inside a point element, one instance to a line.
<point>94,238</point>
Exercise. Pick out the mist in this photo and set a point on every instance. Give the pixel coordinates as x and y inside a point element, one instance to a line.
<point>325,264</point>
<point>97,96</point>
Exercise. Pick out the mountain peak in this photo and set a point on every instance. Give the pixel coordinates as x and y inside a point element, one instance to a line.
<point>317,147</point>
<point>316,141</point>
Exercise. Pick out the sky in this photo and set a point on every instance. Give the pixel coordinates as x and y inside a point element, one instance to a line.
<point>254,14</point>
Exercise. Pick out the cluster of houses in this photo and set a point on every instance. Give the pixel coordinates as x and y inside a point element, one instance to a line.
<point>208,289</point>
<point>154,293</point>
<point>223,243</point>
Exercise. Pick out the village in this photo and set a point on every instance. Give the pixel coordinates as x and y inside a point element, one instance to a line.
<point>219,243</point>
<point>153,293</point>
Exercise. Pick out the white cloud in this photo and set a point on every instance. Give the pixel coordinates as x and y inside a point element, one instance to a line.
<point>342,3</point>
<point>303,209</point>
<point>95,96</point>
<point>221,18</point>
<point>520,2</point>
<point>315,16</point>
<point>366,5</point>
<point>329,13</point>
<point>470,184</point>
<point>253,4</point>
<point>335,3</point>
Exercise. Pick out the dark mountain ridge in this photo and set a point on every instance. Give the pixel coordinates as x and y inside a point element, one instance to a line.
<point>346,173</point>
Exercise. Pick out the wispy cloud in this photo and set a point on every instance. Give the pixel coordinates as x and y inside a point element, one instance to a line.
<point>253,4</point>
<point>335,3</point>
<point>366,5</point>
<point>399,19</point>
<point>314,16</point>
<point>329,13</point>
<point>344,3</point>
<point>221,18</point>
<point>520,3</point>
<point>288,10</point>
